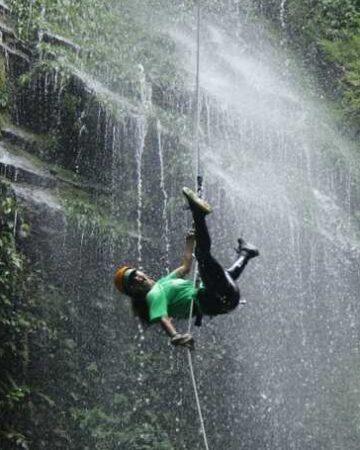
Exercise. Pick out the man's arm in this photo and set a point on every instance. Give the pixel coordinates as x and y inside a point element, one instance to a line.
<point>187,257</point>
<point>168,326</point>
<point>185,340</point>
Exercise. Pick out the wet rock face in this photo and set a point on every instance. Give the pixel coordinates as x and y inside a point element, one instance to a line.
<point>127,164</point>
<point>4,10</point>
<point>61,104</point>
<point>40,213</point>
<point>67,121</point>
<point>19,168</point>
<point>62,122</point>
<point>52,38</point>
<point>16,54</point>
<point>22,139</point>
<point>35,190</point>
<point>17,62</point>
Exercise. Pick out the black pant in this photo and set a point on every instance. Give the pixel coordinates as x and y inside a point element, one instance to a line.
<point>220,293</point>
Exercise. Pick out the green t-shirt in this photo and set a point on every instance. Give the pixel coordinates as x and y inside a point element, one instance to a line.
<point>171,296</point>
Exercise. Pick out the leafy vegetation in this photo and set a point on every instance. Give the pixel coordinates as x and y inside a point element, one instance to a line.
<point>66,380</point>
<point>80,210</point>
<point>325,34</point>
<point>4,91</point>
<point>54,389</point>
<point>15,320</point>
<point>122,38</point>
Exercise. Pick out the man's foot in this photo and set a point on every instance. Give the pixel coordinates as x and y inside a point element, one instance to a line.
<point>247,248</point>
<point>196,203</point>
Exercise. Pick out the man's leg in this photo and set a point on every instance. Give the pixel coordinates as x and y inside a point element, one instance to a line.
<point>221,294</point>
<point>246,252</point>
<point>212,273</point>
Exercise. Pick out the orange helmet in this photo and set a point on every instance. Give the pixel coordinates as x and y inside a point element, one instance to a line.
<point>121,277</point>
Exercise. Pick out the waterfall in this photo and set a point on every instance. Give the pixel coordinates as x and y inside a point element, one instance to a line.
<point>141,127</point>
<point>165,197</point>
<point>16,212</point>
<point>274,150</point>
<point>280,373</point>
<point>115,167</point>
<point>141,131</point>
<point>282,13</point>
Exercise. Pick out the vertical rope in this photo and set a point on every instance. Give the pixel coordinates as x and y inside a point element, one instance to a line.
<point>197,97</point>
<point>192,301</point>
<point>202,425</point>
<point>198,183</point>
<point>198,178</point>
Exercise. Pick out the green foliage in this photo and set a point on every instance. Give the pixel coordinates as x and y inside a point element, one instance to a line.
<point>346,53</point>
<point>124,38</point>
<point>86,215</point>
<point>11,261</point>
<point>327,33</point>
<point>14,318</point>
<point>4,89</point>
<point>67,362</point>
<point>16,395</point>
<point>15,439</point>
<point>106,431</point>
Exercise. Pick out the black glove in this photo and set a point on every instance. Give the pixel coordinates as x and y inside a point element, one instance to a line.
<point>186,340</point>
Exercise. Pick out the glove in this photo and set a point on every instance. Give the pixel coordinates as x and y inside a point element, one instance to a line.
<point>186,340</point>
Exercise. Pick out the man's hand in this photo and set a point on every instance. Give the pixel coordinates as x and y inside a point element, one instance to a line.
<point>187,257</point>
<point>190,235</point>
<point>185,340</point>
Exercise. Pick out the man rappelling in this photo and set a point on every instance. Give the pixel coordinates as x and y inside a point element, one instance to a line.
<point>171,296</point>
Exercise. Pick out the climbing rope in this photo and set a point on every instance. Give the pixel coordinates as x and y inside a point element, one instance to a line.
<point>198,180</point>
<point>199,192</point>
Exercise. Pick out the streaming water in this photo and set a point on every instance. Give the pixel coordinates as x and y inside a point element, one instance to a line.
<point>81,248</point>
<point>16,212</point>
<point>266,147</point>
<point>6,53</point>
<point>282,13</point>
<point>140,137</point>
<point>165,197</point>
<point>285,372</point>
<point>141,127</point>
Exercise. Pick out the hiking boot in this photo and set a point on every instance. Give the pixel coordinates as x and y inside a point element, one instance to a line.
<point>196,203</point>
<point>245,247</point>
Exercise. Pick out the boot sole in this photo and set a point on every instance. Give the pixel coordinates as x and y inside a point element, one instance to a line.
<point>196,202</point>
<point>252,251</point>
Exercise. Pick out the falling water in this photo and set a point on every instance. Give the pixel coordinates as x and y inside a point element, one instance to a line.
<point>282,14</point>
<point>165,196</point>
<point>15,221</point>
<point>7,58</point>
<point>98,124</point>
<point>16,209</point>
<point>59,98</point>
<point>287,366</point>
<point>141,126</point>
<point>141,131</point>
<point>265,147</point>
<point>40,31</point>
<point>82,130</point>
<point>78,286</point>
<point>145,88</point>
<point>114,178</point>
